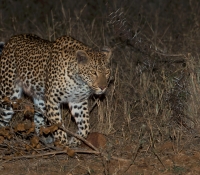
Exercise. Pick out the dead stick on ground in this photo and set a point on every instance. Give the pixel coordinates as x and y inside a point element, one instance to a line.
<point>55,153</point>
<point>158,158</point>
<point>81,138</point>
<point>44,154</point>
<point>93,147</point>
<point>132,161</point>
<point>96,151</point>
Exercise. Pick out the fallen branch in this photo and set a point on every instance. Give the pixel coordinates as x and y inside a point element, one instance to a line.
<point>65,150</point>
<point>9,158</point>
<point>79,137</point>
<point>97,151</point>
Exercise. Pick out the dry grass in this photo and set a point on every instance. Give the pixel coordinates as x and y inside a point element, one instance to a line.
<point>150,113</point>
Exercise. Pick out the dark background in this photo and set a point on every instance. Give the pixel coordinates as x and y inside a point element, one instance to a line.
<point>150,113</point>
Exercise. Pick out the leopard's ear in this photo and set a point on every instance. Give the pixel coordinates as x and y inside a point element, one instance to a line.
<point>107,51</point>
<point>82,57</point>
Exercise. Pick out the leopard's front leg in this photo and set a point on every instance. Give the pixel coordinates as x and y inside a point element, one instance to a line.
<point>79,112</point>
<point>81,116</point>
<point>54,116</point>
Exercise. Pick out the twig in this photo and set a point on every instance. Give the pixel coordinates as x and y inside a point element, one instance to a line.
<point>61,152</point>
<point>158,158</point>
<point>170,55</point>
<point>94,104</point>
<point>91,146</point>
<point>49,153</point>
<point>79,137</point>
<point>133,160</point>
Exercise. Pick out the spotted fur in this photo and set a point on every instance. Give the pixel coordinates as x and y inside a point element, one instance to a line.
<point>63,71</point>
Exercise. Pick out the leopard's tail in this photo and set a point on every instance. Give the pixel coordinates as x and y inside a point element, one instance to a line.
<point>1,47</point>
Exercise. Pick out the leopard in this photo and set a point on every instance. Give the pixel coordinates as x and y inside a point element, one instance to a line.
<point>52,73</point>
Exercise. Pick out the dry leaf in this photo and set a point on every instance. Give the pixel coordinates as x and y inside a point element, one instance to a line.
<point>69,151</point>
<point>5,133</point>
<point>57,143</point>
<point>47,130</point>
<point>28,110</point>
<point>53,128</point>
<point>34,153</point>
<point>1,139</point>
<point>28,147</point>
<point>6,100</point>
<point>27,125</point>
<point>20,127</point>
<point>7,157</point>
<point>19,153</point>
<point>44,130</point>
<point>15,105</point>
<point>34,141</point>
<point>38,146</point>
<point>31,130</point>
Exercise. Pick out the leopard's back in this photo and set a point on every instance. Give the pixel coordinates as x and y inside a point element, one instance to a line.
<point>24,59</point>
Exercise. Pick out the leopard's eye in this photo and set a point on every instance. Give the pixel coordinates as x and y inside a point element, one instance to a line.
<point>93,72</point>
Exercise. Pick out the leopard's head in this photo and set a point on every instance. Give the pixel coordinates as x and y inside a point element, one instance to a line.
<point>94,68</point>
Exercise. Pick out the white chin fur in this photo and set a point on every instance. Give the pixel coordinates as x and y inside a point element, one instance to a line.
<point>99,92</point>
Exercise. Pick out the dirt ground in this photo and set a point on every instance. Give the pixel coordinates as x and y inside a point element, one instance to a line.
<point>147,123</point>
<point>118,158</point>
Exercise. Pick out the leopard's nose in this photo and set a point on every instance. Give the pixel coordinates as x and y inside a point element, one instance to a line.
<point>103,88</point>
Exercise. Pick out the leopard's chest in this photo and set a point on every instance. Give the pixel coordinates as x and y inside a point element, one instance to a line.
<point>75,90</point>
